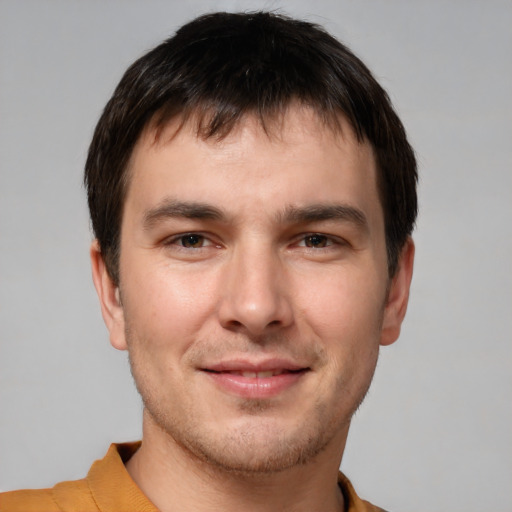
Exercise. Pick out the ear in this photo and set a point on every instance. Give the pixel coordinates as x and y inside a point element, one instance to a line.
<point>110,302</point>
<point>398,296</point>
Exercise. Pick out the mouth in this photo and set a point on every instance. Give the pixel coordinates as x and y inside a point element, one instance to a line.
<point>256,381</point>
<point>265,374</point>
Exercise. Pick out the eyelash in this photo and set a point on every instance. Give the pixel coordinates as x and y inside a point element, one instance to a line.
<point>175,241</point>
<point>321,238</point>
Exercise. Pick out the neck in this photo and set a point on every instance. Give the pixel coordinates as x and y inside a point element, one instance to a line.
<point>175,479</point>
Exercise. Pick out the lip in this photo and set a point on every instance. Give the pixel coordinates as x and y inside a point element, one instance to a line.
<point>240,377</point>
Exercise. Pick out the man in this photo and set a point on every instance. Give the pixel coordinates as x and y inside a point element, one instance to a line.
<point>252,194</point>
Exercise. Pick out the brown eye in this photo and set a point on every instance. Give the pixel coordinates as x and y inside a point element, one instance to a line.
<point>192,241</point>
<point>316,241</point>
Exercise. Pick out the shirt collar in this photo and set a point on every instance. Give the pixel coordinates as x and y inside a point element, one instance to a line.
<point>113,489</point>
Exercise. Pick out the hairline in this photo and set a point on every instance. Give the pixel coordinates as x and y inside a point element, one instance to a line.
<point>195,118</point>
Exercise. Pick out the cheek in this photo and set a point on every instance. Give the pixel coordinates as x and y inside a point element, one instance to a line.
<point>164,309</point>
<point>346,305</point>
<point>345,317</point>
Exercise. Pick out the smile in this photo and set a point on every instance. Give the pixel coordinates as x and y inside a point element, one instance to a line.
<point>260,375</point>
<point>255,383</point>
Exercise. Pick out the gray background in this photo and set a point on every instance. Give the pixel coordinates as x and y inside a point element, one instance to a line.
<point>435,431</point>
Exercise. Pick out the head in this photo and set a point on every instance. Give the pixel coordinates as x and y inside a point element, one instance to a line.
<point>252,193</point>
<point>221,68</point>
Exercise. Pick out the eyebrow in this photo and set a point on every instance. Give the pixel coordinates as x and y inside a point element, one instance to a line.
<point>170,208</point>
<point>324,212</point>
<point>186,209</point>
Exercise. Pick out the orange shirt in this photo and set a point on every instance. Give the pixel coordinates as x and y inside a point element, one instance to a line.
<point>109,488</point>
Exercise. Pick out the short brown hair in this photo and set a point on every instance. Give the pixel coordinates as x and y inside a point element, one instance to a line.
<point>221,67</point>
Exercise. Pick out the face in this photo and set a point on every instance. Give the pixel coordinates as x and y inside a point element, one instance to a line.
<point>254,292</point>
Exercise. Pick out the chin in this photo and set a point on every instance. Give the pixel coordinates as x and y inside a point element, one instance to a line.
<point>254,446</point>
<point>250,456</point>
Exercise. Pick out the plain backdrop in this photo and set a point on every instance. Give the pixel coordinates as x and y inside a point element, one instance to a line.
<point>435,433</point>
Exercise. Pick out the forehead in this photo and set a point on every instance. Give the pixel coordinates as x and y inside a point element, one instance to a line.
<point>294,124</point>
<point>293,159</point>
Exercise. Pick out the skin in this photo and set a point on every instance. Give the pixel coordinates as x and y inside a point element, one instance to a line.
<point>252,252</point>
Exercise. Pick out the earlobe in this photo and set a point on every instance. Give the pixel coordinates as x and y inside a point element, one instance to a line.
<point>110,301</point>
<point>398,296</point>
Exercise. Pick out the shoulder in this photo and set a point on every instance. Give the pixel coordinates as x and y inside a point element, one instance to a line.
<point>28,501</point>
<point>107,486</point>
<point>67,496</point>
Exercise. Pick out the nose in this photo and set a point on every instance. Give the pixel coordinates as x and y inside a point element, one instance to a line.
<point>255,295</point>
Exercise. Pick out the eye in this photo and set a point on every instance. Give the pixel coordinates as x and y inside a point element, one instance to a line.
<point>316,241</point>
<point>191,246</point>
<point>191,241</point>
